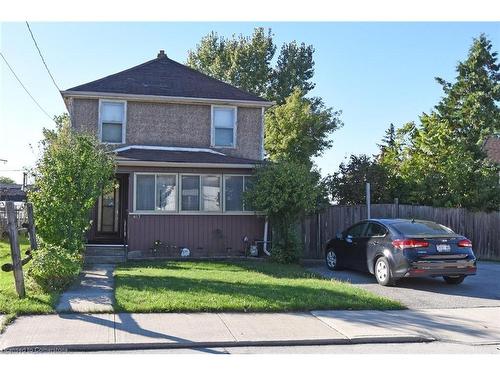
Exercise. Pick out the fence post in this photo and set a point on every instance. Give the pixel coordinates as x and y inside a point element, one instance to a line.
<point>14,249</point>
<point>396,208</point>
<point>31,226</point>
<point>368,203</point>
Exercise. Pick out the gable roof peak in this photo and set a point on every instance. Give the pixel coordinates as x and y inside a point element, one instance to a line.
<point>164,77</point>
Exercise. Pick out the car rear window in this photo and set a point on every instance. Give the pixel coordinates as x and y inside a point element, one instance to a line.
<point>419,228</point>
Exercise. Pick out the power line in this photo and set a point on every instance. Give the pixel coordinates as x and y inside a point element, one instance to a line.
<point>41,56</point>
<point>24,87</point>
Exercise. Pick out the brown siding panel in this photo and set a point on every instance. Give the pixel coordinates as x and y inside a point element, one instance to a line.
<point>204,235</point>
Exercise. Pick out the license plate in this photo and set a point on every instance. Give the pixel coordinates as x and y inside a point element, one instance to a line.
<point>442,248</point>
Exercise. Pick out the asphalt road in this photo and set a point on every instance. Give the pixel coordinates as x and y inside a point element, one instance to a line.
<point>480,290</point>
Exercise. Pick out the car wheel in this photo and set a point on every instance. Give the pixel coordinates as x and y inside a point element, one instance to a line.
<point>332,260</point>
<point>453,279</point>
<point>383,272</point>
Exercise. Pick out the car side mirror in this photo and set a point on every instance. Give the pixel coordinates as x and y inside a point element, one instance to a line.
<point>348,238</point>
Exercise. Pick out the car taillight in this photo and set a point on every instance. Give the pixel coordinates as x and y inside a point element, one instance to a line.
<point>464,243</point>
<point>409,244</point>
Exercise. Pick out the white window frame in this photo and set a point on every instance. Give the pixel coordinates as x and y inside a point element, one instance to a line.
<point>212,127</point>
<point>124,124</point>
<point>200,179</point>
<point>221,188</point>
<point>180,193</point>
<point>178,181</point>
<point>155,210</point>
<point>224,193</point>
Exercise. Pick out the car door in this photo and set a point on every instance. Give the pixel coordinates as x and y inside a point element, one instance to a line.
<point>375,234</point>
<point>352,240</point>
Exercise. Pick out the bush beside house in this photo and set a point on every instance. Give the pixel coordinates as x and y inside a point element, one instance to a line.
<point>70,175</point>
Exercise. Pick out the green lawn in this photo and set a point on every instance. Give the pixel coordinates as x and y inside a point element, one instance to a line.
<point>36,302</point>
<point>233,286</point>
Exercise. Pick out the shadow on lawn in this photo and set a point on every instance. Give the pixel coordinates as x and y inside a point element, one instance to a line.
<point>266,267</point>
<point>244,296</point>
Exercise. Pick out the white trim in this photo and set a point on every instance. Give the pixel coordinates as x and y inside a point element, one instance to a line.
<point>197,213</point>
<point>160,98</point>
<point>142,163</point>
<point>167,148</point>
<point>124,123</point>
<point>212,127</point>
<point>262,133</point>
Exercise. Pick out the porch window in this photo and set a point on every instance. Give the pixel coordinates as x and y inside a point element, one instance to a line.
<point>166,192</point>
<point>112,121</point>
<point>156,192</point>
<point>234,187</point>
<point>145,192</point>
<point>223,126</point>
<point>190,193</point>
<point>211,192</point>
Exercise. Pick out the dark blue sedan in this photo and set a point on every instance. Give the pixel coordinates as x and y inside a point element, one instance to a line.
<point>392,249</point>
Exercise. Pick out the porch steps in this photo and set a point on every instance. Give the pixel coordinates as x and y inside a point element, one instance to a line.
<point>105,254</point>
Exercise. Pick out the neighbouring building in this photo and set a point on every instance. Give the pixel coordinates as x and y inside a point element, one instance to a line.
<point>186,146</point>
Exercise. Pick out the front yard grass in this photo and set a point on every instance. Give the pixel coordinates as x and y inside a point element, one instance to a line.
<point>36,302</point>
<point>189,286</point>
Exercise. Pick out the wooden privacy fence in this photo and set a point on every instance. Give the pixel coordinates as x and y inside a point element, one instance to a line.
<point>482,228</point>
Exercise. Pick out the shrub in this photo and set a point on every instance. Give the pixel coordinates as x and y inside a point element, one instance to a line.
<point>70,175</point>
<point>286,248</point>
<point>285,191</point>
<point>53,268</point>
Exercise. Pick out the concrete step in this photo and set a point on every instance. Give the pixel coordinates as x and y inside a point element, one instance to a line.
<point>105,250</point>
<point>102,254</point>
<point>105,259</point>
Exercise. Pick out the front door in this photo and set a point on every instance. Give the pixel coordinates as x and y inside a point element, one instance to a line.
<point>109,214</point>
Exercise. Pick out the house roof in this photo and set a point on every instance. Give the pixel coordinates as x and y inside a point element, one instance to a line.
<point>492,148</point>
<point>181,156</point>
<point>166,78</point>
<point>12,192</point>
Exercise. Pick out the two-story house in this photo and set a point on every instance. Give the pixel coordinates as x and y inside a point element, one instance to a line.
<point>186,146</point>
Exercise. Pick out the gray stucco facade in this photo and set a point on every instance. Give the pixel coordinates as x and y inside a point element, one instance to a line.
<point>173,124</point>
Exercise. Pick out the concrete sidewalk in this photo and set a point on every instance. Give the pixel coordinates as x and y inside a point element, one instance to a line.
<point>92,291</point>
<point>88,332</point>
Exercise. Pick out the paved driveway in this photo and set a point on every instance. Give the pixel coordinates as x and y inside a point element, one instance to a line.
<point>480,290</point>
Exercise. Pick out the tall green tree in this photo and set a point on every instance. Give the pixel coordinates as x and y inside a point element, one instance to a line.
<point>440,161</point>
<point>6,180</point>
<point>347,185</point>
<point>246,62</point>
<point>297,131</point>
<point>389,139</point>
<point>241,61</point>
<point>71,173</point>
<point>470,104</point>
<point>285,191</point>
<point>294,70</point>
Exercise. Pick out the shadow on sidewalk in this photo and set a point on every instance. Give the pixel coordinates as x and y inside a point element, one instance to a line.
<point>129,325</point>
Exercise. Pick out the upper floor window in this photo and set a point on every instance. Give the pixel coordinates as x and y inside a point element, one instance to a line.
<point>112,121</point>
<point>223,126</point>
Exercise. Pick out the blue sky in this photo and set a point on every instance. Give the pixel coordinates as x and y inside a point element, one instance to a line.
<point>376,73</point>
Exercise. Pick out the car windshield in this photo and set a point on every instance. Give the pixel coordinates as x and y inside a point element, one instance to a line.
<point>422,228</point>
